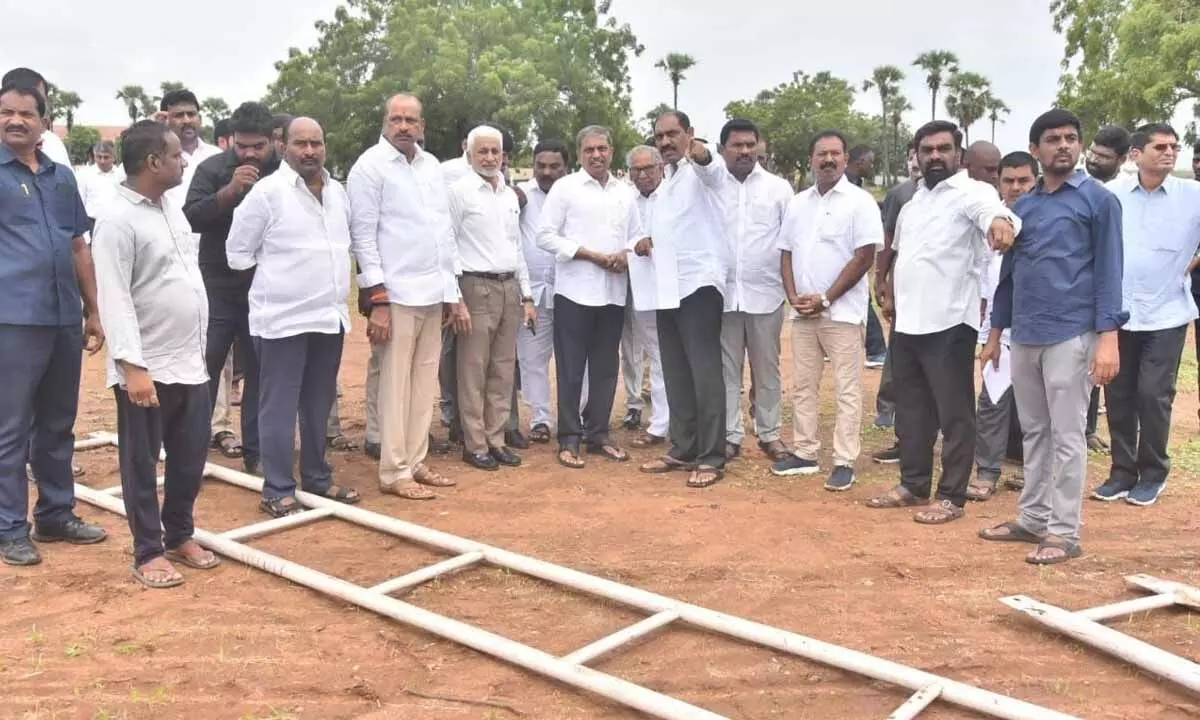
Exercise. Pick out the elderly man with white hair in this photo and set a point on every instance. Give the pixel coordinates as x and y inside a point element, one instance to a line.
<point>494,283</point>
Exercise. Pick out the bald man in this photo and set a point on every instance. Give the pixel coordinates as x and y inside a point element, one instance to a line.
<point>293,229</point>
<point>982,159</point>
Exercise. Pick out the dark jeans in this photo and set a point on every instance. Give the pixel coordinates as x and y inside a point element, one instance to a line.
<point>448,378</point>
<point>1139,404</point>
<point>180,424</point>
<point>885,398</point>
<point>875,345</point>
<point>689,341</point>
<point>40,368</point>
<point>229,321</point>
<point>586,339</point>
<point>934,377</point>
<point>1093,414</point>
<point>298,378</point>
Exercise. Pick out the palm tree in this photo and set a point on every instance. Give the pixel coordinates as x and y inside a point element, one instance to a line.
<point>895,116</point>
<point>966,99</point>
<point>214,108</point>
<point>936,64</point>
<point>134,97</point>
<point>995,107</point>
<point>170,86</point>
<point>675,65</point>
<point>68,102</point>
<point>886,79</point>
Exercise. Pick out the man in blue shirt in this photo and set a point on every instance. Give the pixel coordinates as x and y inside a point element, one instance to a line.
<point>45,273</point>
<point>1060,293</point>
<point>1161,223</point>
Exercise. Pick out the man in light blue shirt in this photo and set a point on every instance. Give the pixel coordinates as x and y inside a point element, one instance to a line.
<point>1162,231</point>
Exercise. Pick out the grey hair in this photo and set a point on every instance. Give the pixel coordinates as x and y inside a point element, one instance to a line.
<point>593,130</point>
<point>105,146</point>
<point>655,155</point>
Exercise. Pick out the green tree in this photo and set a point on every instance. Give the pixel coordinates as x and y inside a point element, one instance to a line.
<point>886,80</point>
<point>541,68</point>
<point>897,162</point>
<point>937,64</point>
<point>645,126</point>
<point>214,108</point>
<point>80,140</point>
<point>64,104</point>
<point>966,99</point>
<point>995,108</point>
<point>168,86</point>
<point>134,97</point>
<point>675,65</point>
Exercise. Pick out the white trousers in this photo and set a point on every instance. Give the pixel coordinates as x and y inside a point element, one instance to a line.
<point>534,352</point>
<point>639,340</point>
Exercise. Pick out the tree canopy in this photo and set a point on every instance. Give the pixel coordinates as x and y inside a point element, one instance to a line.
<point>541,68</point>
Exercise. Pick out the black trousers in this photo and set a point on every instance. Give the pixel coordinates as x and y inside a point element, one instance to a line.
<point>1139,404</point>
<point>586,339</point>
<point>229,329</point>
<point>689,341</point>
<point>180,424</point>
<point>934,377</point>
<point>1093,413</point>
<point>885,398</point>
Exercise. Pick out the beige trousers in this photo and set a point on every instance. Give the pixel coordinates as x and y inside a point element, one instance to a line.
<point>487,360</point>
<point>407,388</point>
<point>222,418</point>
<point>814,339</point>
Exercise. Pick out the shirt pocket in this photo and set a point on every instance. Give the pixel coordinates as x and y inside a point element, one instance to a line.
<point>18,203</point>
<point>63,207</point>
<point>833,227</point>
<point>765,215</point>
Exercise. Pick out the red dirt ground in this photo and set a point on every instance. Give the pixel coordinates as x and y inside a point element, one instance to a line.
<point>79,639</point>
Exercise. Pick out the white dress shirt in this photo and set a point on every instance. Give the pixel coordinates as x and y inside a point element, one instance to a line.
<point>151,296</point>
<point>822,232</point>
<point>456,169</point>
<point>400,222</point>
<point>689,230</point>
<point>580,212</point>
<point>487,228</point>
<point>538,263</point>
<point>54,148</point>
<point>204,151</point>
<point>300,248</point>
<point>99,189</point>
<point>941,253</point>
<point>754,211</point>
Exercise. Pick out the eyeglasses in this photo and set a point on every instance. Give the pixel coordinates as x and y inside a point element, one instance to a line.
<point>1165,147</point>
<point>642,170</point>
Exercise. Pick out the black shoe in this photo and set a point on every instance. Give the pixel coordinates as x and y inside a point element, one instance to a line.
<point>633,420</point>
<point>373,450</point>
<point>516,439</point>
<point>482,461</point>
<point>455,435</point>
<point>73,530</point>
<point>504,456</point>
<point>250,466</point>
<point>439,447</point>
<point>19,552</point>
<point>889,456</point>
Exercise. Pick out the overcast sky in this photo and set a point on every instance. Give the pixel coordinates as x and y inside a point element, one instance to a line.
<point>227,48</point>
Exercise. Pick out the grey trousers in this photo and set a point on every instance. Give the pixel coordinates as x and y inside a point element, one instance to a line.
<point>758,336</point>
<point>991,433</point>
<point>372,392</point>
<point>1053,388</point>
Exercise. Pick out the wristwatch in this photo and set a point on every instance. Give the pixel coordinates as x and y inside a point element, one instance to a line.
<point>824,301</point>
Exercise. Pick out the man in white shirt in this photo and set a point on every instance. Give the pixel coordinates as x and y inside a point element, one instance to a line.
<point>588,222</point>
<point>155,311</point>
<point>827,245</point>
<point>293,229</point>
<point>690,250</point>
<point>98,184</point>
<point>639,339</point>
<point>404,245</point>
<point>755,203</point>
<point>535,345</point>
<point>180,110</point>
<point>494,282</point>
<point>942,245</point>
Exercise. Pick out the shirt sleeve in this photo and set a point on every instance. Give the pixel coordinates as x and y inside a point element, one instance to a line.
<point>449,261</point>
<point>522,266</point>
<point>983,205</point>
<point>81,224</point>
<point>1002,301</point>
<point>554,218</point>
<point>113,254</point>
<point>634,225</point>
<point>250,222</point>
<point>1108,244</point>
<point>714,174</point>
<point>363,187</point>
<point>868,225</point>
<point>455,204</point>
<point>200,207</point>
<point>787,232</point>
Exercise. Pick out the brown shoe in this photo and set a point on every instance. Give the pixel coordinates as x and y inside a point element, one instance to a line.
<point>425,476</point>
<point>775,450</point>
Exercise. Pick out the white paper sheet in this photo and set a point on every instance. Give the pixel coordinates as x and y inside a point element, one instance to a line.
<point>998,380</point>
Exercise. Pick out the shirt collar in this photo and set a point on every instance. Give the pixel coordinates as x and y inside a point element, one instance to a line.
<point>395,154</point>
<point>1075,180</point>
<point>200,146</point>
<point>1168,185</point>
<point>133,196</point>
<point>483,184</point>
<point>291,177</point>
<point>44,162</point>
<point>587,178</point>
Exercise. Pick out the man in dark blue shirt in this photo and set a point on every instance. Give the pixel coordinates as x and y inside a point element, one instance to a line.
<point>1060,293</point>
<point>47,304</point>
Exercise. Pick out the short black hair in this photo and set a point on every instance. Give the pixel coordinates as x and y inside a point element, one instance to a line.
<point>1051,119</point>
<point>685,122</point>
<point>24,76</point>
<point>739,125</point>
<point>812,144</point>
<point>179,97</point>
<point>1020,158</point>
<point>222,129</point>
<point>1143,134</point>
<point>280,121</point>
<point>507,142</point>
<point>141,140</point>
<point>1115,138</point>
<point>858,151</point>
<point>252,118</point>
<point>554,146</point>
<point>27,90</point>
<point>936,127</point>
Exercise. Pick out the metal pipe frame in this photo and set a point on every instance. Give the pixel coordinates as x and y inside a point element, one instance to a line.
<point>570,669</point>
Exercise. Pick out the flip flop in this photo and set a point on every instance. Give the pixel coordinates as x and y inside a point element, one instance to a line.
<point>1070,551</point>
<point>540,433</point>
<point>156,584</point>
<point>1012,531</point>
<point>705,476</point>
<point>571,460</point>
<point>226,443</point>
<point>176,556</point>
<point>609,451</point>
<point>665,464</point>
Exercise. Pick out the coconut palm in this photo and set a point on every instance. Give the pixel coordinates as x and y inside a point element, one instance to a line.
<point>966,99</point>
<point>995,108</point>
<point>675,65</point>
<point>886,79</point>
<point>134,97</point>
<point>937,64</point>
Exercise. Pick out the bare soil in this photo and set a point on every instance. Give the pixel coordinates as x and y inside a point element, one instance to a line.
<point>79,639</point>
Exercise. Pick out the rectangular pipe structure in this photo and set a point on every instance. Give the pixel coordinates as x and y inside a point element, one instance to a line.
<point>425,574</point>
<point>607,644</point>
<point>266,527</point>
<point>915,704</point>
<point>577,675</point>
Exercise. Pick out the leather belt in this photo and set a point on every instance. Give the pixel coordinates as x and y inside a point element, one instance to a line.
<point>489,276</point>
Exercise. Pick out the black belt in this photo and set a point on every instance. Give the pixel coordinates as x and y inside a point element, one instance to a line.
<point>502,277</point>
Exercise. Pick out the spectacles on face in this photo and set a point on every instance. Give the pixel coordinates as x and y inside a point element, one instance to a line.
<point>1164,148</point>
<point>642,169</point>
